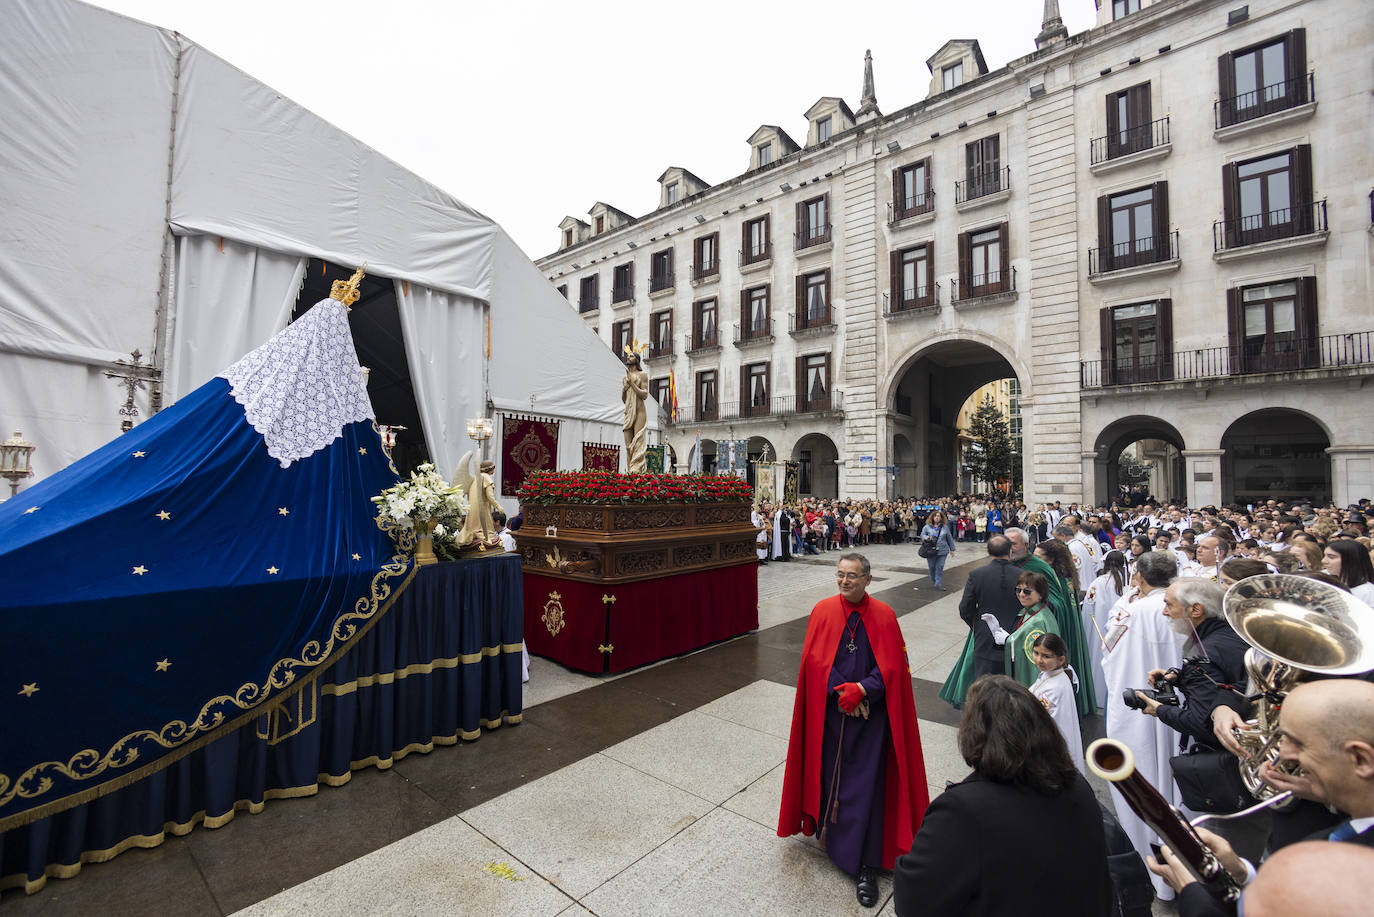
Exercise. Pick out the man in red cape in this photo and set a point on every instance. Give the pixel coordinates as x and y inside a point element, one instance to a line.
<point>855,771</point>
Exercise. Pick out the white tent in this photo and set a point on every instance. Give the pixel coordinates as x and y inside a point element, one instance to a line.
<point>154,197</point>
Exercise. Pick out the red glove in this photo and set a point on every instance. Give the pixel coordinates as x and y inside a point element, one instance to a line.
<point>850,695</point>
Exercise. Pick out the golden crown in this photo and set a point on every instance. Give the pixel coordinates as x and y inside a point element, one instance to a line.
<point>346,291</point>
<point>636,347</point>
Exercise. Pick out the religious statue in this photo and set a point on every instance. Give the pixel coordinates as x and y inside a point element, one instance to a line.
<point>633,390</point>
<point>478,529</point>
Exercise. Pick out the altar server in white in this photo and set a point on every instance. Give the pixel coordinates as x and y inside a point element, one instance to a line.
<point>1055,690</point>
<point>1140,638</point>
<point>1098,602</point>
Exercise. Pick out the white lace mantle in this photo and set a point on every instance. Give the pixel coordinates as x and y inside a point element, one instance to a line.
<point>304,385</point>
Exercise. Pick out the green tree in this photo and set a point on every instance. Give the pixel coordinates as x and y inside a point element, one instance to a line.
<point>989,455</point>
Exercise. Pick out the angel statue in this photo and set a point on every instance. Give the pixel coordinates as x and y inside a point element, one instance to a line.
<point>481,490</point>
<point>633,390</point>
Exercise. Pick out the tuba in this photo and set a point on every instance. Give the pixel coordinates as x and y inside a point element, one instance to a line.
<point>1295,626</point>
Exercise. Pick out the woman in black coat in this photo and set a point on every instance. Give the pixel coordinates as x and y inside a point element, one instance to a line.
<point>1021,835</point>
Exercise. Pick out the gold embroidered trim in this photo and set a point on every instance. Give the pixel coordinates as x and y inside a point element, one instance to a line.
<point>217,716</point>
<point>418,668</point>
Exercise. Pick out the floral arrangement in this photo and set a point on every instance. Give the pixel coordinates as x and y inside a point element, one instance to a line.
<point>424,499</point>
<point>610,487</point>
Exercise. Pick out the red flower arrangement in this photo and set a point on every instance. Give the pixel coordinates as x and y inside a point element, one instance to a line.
<point>609,487</point>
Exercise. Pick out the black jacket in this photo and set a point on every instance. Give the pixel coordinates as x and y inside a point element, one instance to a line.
<point>989,849</point>
<point>1202,682</point>
<point>990,590</point>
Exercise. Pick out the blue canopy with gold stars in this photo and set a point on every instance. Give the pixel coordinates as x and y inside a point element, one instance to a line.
<point>193,572</point>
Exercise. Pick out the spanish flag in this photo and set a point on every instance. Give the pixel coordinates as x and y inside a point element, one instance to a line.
<point>672,394</point>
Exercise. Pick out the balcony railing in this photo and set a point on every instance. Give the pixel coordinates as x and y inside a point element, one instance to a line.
<point>659,282</point>
<point>808,320</point>
<point>925,296</point>
<point>622,294</point>
<point>811,236</point>
<point>588,305</point>
<point>1135,253</point>
<point>753,331</point>
<point>1260,102</point>
<point>1293,354</point>
<point>912,206</point>
<point>982,184</point>
<point>1285,223</point>
<point>704,269</point>
<point>783,406</point>
<point>753,254</point>
<point>1132,140</point>
<point>702,341</point>
<point>661,348</point>
<point>979,285</point>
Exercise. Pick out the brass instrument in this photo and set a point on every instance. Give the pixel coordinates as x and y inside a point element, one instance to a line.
<point>1295,626</point>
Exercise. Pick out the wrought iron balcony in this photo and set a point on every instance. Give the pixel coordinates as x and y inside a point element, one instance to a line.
<point>782,406</point>
<point>658,282</point>
<point>1287,354</point>
<point>588,305</point>
<point>1135,253</point>
<point>982,184</point>
<point>698,341</point>
<point>661,348</point>
<point>811,236</point>
<point>703,269</point>
<point>1260,102</point>
<point>912,206</point>
<point>753,254</point>
<point>809,321</point>
<point>622,294</point>
<point>993,283</point>
<point>754,331</point>
<point>921,298</point>
<point>1132,140</point>
<point>1273,225</point>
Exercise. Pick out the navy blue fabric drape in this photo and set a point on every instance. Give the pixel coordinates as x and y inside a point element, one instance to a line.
<point>440,665</point>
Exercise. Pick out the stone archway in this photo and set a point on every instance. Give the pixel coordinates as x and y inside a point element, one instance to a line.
<point>708,456</point>
<point>1162,452</point>
<point>819,472</point>
<point>923,397</point>
<point>1276,454</point>
<point>755,449</point>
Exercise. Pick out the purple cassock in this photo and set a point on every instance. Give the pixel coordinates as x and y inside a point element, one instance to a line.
<point>853,831</point>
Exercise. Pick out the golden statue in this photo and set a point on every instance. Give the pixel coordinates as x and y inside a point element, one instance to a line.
<point>633,390</point>
<point>346,291</point>
<point>478,528</point>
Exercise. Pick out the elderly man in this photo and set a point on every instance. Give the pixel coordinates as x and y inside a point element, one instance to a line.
<point>1328,730</point>
<point>1211,553</point>
<point>1140,639</point>
<point>855,775</point>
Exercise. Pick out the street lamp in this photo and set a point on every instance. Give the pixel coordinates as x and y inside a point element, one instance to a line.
<point>16,454</point>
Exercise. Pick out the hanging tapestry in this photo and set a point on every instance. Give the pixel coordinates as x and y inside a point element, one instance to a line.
<point>654,460</point>
<point>527,444</point>
<point>600,457</point>
<point>791,483</point>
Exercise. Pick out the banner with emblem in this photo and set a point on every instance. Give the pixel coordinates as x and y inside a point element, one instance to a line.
<point>600,457</point>
<point>655,459</point>
<point>528,444</point>
<point>791,483</point>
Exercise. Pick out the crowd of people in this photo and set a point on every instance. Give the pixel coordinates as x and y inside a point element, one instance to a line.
<point>1118,611</point>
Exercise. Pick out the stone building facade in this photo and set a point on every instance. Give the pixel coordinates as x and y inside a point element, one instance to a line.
<point>1161,228</point>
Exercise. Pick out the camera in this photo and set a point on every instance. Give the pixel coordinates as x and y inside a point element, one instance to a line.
<point>1164,694</point>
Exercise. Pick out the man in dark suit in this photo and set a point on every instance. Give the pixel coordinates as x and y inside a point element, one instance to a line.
<point>1328,730</point>
<point>991,590</point>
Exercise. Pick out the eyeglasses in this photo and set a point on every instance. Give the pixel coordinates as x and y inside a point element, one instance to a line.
<point>848,577</point>
<point>1025,592</point>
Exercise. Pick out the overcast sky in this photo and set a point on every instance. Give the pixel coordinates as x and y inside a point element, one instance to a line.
<point>533,110</point>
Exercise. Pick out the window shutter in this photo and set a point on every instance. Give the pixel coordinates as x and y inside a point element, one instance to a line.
<point>1295,60</point>
<point>1235,331</point>
<point>898,199</point>
<point>895,296</point>
<point>746,401</point>
<point>767,388</point>
<point>828,383</point>
<point>799,316</point>
<point>1230,204</point>
<point>1104,234</point>
<point>1164,338</point>
<point>801,220</point>
<point>801,383</point>
<point>1138,104</point>
<point>1302,189</point>
<point>1113,124</point>
<point>743,314</point>
<point>1308,340</point>
<point>972,163</point>
<point>1005,266</point>
<point>696,323</point>
<point>965,265</point>
<point>992,155</point>
<point>767,230</point>
<point>1161,215</point>
<point>744,242</point>
<point>929,298</point>
<point>1226,88</point>
<point>668,259</point>
<point>825,316</point>
<point>1108,357</point>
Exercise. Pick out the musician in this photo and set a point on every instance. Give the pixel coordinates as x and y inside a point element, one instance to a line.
<point>1328,730</point>
<point>1213,666</point>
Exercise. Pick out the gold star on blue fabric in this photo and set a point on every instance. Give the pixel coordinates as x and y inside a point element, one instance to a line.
<point>163,664</point>
<point>140,570</point>
<point>357,557</point>
<point>362,450</point>
<point>30,689</point>
<point>139,454</point>
<point>273,570</point>
<point>31,509</point>
<point>164,515</point>
<point>283,511</point>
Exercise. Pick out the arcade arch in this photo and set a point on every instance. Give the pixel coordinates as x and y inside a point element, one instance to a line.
<point>819,474</point>
<point>1275,454</point>
<point>1158,447</point>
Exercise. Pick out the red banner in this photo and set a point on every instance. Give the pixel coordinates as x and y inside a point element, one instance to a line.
<point>527,444</point>
<point>600,457</point>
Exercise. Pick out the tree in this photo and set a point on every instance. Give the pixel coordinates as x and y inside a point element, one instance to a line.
<point>989,455</point>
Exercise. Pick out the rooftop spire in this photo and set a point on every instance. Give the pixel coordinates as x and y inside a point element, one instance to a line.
<point>1052,28</point>
<point>868,104</point>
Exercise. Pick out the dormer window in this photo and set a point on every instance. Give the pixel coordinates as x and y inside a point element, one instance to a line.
<point>567,238</point>
<point>823,129</point>
<point>672,193</point>
<point>600,225</point>
<point>765,151</point>
<point>953,75</point>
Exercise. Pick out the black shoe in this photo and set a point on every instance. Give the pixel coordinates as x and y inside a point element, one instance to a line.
<point>867,886</point>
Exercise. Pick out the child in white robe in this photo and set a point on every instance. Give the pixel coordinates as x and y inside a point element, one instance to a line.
<point>1055,689</point>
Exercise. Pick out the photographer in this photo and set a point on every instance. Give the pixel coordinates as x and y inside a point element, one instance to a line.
<point>1213,670</point>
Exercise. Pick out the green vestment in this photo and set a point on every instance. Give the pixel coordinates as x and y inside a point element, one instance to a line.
<point>1063,602</point>
<point>1017,649</point>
